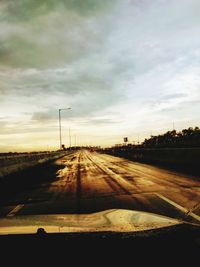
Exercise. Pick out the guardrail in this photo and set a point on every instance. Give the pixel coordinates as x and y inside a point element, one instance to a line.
<point>13,163</point>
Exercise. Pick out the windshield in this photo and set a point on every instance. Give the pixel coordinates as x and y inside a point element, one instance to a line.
<point>99,115</point>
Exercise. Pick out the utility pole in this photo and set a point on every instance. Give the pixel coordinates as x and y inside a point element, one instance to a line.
<point>60,128</point>
<point>70,138</point>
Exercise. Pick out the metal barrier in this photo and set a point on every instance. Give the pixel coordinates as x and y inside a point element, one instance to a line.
<point>13,163</point>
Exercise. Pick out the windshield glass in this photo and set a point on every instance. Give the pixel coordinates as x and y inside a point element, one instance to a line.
<point>99,115</point>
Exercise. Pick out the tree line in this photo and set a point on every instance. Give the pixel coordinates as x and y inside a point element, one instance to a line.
<point>186,138</point>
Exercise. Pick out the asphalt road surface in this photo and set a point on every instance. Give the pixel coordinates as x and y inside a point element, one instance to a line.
<point>86,182</point>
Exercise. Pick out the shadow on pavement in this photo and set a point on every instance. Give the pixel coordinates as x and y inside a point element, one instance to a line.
<point>27,179</point>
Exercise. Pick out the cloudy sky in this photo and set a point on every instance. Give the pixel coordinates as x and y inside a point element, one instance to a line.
<point>125,67</point>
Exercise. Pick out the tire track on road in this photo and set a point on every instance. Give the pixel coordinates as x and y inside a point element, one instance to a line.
<point>172,186</point>
<point>78,185</point>
<point>114,184</point>
<point>111,180</point>
<point>123,165</point>
<point>160,197</point>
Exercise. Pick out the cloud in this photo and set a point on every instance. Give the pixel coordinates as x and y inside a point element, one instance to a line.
<point>31,9</point>
<point>48,33</point>
<point>174,96</point>
<point>101,121</point>
<point>41,116</point>
<point>122,65</point>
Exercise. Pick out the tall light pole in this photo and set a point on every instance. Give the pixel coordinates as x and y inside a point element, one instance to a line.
<point>70,141</point>
<point>173,126</point>
<point>60,124</point>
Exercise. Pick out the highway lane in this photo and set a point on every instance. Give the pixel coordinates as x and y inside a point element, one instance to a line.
<point>85,182</point>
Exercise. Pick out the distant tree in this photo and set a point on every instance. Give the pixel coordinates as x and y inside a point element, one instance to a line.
<point>186,138</point>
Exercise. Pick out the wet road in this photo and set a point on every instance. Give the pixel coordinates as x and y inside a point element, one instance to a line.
<point>85,182</point>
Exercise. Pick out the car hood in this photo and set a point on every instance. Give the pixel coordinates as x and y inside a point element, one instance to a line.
<point>115,220</point>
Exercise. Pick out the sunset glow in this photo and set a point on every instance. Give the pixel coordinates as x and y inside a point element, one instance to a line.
<point>126,68</point>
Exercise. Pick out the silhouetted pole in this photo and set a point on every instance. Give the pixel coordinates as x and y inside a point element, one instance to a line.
<point>70,138</point>
<point>60,128</point>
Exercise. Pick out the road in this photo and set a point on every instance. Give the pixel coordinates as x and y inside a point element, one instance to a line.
<point>85,182</point>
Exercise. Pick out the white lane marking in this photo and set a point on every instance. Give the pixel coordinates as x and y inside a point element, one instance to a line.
<point>15,210</point>
<point>194,208</point>
<point>194,216</point>
<point>176,205</point>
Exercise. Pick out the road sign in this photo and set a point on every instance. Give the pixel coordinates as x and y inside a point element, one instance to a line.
<point>125,139</point>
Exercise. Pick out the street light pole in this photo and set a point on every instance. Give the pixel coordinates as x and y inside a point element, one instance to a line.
<point>70,142</point>
<point>60,129</point>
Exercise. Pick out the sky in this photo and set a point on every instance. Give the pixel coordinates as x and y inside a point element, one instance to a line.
<point>125,67</point>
